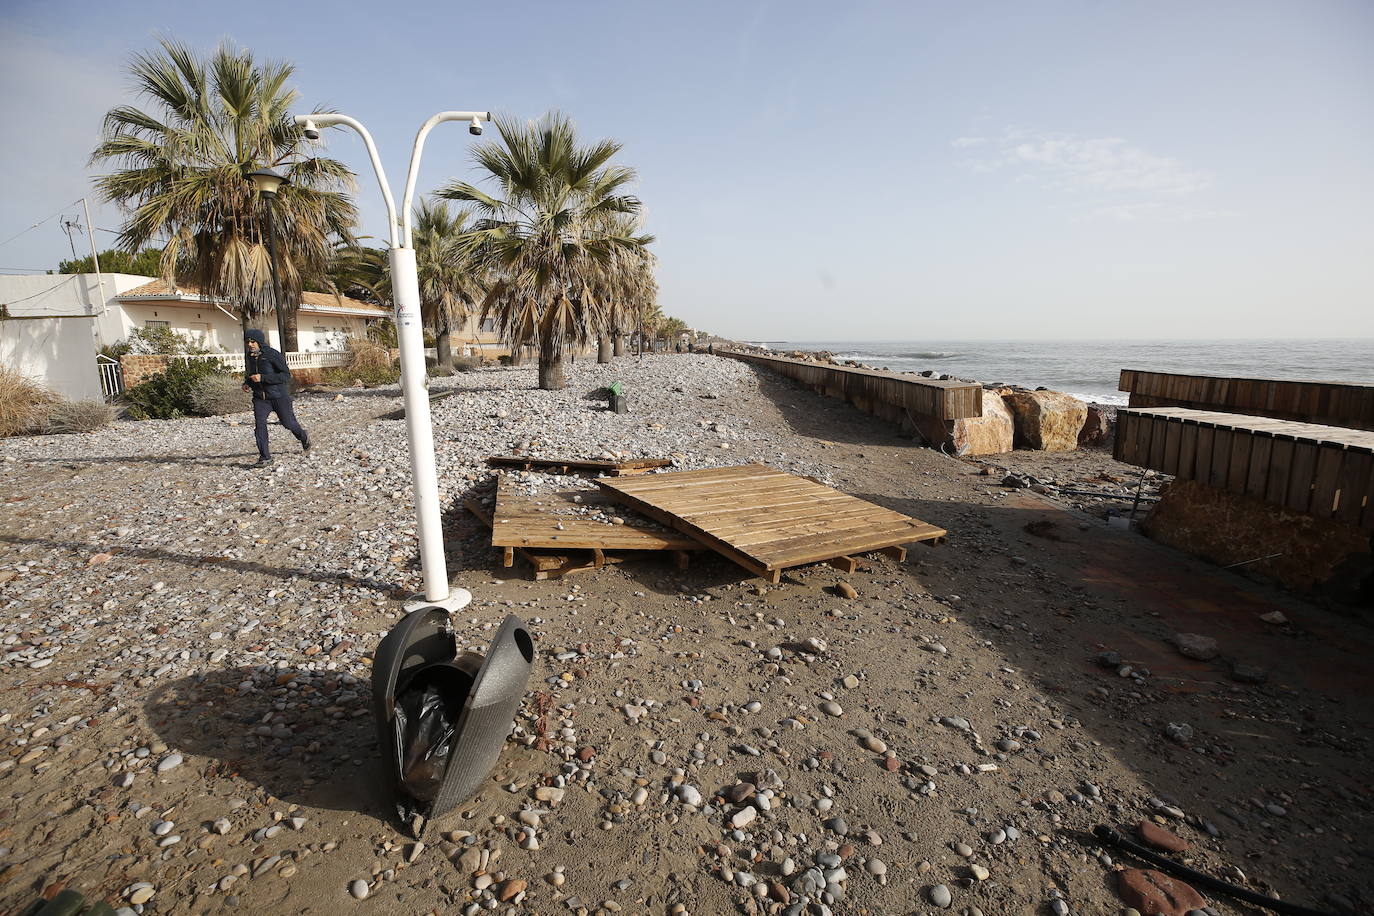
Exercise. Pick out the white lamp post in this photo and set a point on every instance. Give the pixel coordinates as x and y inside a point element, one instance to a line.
<point>405,287</point>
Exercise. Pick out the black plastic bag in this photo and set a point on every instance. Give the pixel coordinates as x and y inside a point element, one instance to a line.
<point>428,707</point>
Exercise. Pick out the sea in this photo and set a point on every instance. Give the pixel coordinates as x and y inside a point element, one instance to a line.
<point>1091,369</point>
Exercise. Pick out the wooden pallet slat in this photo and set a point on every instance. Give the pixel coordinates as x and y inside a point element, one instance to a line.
<point>767,520</point>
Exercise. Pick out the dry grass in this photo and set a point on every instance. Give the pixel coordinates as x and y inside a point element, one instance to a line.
<point>215,395</point>
<point>80,416</point>
<point>364,356</point>
<point>24,404</point>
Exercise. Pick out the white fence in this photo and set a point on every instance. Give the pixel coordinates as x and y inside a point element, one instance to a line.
<point>111,377</point>
<point>234,361</point>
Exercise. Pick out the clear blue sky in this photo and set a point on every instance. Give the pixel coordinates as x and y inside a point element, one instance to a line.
<point>825,170</point>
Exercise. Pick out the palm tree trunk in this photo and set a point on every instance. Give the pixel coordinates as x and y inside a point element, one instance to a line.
<point>618,343</point>
<point>552,374</point>
<point>603,349</point>
<point>443,346</point>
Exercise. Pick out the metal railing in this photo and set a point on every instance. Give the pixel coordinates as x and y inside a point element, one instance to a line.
<point>235,362</point>
<point>111,377</point>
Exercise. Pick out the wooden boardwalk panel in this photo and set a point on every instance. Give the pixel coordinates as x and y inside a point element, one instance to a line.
<point>767,520</point>
<point>522,520</point>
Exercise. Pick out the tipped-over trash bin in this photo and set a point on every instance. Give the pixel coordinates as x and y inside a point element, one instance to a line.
<point>442,718</point>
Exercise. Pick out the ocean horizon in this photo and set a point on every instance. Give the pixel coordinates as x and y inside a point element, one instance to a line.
<point>1091,369</point>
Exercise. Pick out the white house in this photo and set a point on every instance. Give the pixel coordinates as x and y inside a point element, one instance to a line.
<point>52,325</point>
<point>323,321</point>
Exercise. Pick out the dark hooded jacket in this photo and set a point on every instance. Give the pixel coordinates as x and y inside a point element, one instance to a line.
<point>270,364</point>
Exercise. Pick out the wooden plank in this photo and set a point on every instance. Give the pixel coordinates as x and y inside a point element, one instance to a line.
<point>1326,482</point>
<point>764,527</point>
<point>1173,434</point>
<point>525,462</point>
<point>1187,451</point>
<point>896,553</point>
<point>1357,469</point>
<point>1280,461</point>
<point>1301,476</point>
<point>1257,480</point>
<point>844,564</point>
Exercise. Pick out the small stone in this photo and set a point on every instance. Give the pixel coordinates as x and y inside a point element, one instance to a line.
<point>738,793</point>
<point>837,826</point>
<point>875,867</point>
<point>831,708</point>
<point>1277,618</point>
<point>509,888</point>
<point>1154,892</point>
<point>743,817</point>
<point>170,762</point>
<point>964,850</point>
<point>550,794</point>
<point>221,826</point>
<point>689,795</point>
<point>141,894</point>
<point>358,889</point>
<point>1192,645</point>
<point>1058,907</point>
<point>940,896</point>
<point>1156,836</point>
<point>876,745</point>
<point>847,590</point>
<point>979,872</point>
<point>850,681</point>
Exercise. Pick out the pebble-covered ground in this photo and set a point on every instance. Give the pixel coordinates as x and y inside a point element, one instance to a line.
<point>187,642</point>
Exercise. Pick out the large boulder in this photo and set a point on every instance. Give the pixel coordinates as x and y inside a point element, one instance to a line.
<point>988,434</point>
<point>1047,420</point>
<point>1097,429</point>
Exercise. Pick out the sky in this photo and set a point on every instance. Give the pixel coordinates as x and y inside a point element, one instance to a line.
<point>832,171</point>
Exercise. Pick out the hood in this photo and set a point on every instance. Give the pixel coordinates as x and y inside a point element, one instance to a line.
<point>255,334</point>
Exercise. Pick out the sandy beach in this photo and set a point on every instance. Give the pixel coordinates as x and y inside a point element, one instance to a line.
<point>188,641</point>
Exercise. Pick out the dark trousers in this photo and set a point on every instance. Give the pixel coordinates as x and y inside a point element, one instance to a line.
<point>285,413</point>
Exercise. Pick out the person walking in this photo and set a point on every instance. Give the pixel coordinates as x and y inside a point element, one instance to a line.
<point>268,378</point>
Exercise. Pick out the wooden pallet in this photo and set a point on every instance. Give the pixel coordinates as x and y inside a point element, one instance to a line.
<point>527,527</point>
<point>767,520</point>
<point>567,466</point>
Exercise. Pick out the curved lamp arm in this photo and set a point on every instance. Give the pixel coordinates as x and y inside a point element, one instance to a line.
<point>475,116</point>
<point>329,120</point>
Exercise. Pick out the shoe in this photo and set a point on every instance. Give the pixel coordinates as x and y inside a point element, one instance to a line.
<point>305,443</point>
<point>263,463</point>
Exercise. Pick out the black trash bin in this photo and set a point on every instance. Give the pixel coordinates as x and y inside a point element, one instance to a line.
<point>442,718</point>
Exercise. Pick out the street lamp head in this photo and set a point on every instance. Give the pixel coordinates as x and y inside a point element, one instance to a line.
<point>475,128</point>
<point>311,131</point>
<point>267,181</point>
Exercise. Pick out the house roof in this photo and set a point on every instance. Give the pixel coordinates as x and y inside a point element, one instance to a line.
<point>317,303</point>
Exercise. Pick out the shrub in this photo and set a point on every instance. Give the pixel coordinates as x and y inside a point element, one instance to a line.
<point>215,395</point>
<point>307,376</point>
<point>347,377</point>
<point>24,403</point>
<point>156,341</point>
<point>466,363</point>
<point>365,355</point>
<point>80,416</point>
<point>167,395</point>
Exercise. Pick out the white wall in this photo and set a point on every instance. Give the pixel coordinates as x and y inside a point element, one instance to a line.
<point>53,327</point>
<point>216,331</point>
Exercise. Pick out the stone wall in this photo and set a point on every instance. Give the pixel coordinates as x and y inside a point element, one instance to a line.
<point>138,369</point>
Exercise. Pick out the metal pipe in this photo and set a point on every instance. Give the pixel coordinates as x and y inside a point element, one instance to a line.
<point>330,120</point>
<point>276,279</point>
<point>1111,837</point>
<point>410,339</point>
<point>474,116</point>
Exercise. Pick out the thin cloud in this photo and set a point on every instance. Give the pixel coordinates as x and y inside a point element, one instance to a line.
<point>1139,183</point>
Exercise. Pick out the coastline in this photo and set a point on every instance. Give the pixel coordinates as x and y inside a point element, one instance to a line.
<point>965,698</point>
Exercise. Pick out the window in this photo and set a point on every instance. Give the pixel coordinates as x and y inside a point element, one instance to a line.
<point>488,325</point>
<point>319,330</point>
<point>157,324</point>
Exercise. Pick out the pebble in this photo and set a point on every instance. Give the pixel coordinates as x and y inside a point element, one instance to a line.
<point>170,762</point>
<point>141,894</point>
<point>876,745</point>
<point>941,897</point>
<point>358,889</point>
<point>979,872</point>
<point>1059,907</point>
<point>689,795</point>
<point>831,708</point>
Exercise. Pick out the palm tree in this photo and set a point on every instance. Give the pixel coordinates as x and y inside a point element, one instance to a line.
<point>180,176</point>
<point>450,273</point>
<point>546,235</point>
<point>627,278</point>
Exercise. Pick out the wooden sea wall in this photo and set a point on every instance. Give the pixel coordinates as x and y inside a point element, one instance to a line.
<point>884,394</point>
<point>1349,404</point>
<point>1323,471</point>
